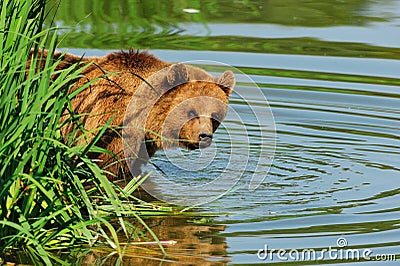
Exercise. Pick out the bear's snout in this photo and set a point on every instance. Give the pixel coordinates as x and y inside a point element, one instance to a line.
<point>205,140</point>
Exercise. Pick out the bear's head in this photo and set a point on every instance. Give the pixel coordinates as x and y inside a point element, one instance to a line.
<point>190,111</point>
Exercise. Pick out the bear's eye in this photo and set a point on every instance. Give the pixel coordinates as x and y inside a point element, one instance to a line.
<point>215,119</point>
<point>192,114</point>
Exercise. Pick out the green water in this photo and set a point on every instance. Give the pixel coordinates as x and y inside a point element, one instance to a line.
<point>331,73</point>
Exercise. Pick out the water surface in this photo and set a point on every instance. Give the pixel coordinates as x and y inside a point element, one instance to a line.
<point>331,73</point>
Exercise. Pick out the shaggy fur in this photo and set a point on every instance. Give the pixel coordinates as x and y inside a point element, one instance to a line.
<point>116,77</point>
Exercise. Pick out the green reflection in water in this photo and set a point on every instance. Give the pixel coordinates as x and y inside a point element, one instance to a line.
<point>128,14</point>
<point>158,25</point>
<point>336,167</point>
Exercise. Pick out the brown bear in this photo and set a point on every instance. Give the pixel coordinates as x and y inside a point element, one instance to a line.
<point>151,104</point>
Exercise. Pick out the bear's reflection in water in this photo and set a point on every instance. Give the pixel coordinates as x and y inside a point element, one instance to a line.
<point>196,244</point>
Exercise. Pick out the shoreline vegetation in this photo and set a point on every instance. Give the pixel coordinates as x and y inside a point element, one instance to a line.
<point>139,24</point>
<point>46,206</point>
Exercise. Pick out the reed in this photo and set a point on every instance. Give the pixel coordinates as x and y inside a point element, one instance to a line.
<point>46,205</point>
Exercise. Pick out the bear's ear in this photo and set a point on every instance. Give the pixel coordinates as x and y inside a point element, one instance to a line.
<point>226,81</point>
<point>177,74</point>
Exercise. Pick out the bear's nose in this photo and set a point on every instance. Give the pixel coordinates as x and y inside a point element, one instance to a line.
<point>205,139</point>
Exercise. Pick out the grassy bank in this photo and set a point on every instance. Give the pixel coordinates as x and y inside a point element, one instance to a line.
<point>45,207</point>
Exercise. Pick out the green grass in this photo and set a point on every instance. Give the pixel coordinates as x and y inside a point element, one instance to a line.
<point>52,196</point>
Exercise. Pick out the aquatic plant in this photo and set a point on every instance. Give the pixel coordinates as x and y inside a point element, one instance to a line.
<point>52,196</point>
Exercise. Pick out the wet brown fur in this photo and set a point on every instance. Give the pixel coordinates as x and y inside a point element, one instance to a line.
<point>109,95</point>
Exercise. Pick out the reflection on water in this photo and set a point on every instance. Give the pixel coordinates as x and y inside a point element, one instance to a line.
<point>331,74</point>
<point>196,244</point>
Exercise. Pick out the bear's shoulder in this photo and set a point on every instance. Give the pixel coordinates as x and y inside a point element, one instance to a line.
<point>134,60</point>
